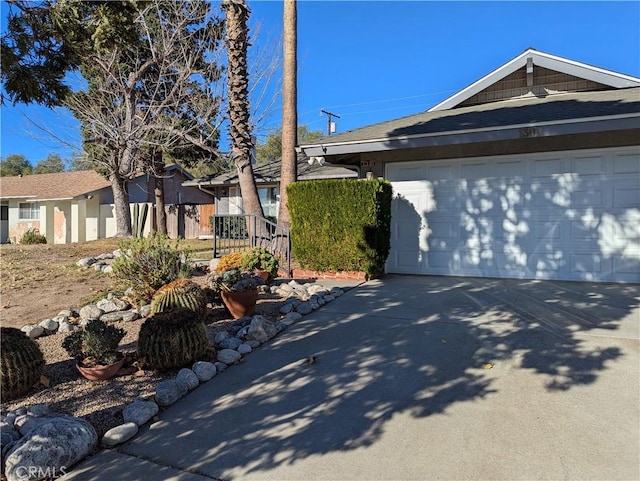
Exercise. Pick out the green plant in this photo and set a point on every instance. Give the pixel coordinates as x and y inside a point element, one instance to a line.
<point>180,293</point>
<point>235,280</point>
<point>174,338</point>
<point>21,363</point>
<point>229,261</point>
<point>97,343</point>
<point>148,263</point>
<point>260,258</point>
<point>33,236</point>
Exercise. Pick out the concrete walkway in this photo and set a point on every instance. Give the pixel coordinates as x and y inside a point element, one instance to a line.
<point>417,378</point>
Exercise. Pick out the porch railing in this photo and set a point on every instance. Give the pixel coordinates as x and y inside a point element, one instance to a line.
<point>239,232</point>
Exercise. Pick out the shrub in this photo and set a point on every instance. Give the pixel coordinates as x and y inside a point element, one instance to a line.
<point>33,236</point>
<point>180,293</point>
<point>97,341</point>
<point>230,261</point>
<point>174,338</point>
<point>21,365</point>
<point>148,263</point>
<point>260,258</point>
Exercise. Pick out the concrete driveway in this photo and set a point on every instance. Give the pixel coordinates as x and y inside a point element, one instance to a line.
<point>418,378</point>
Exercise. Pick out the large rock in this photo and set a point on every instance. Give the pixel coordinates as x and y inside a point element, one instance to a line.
<point>187,378</point>
<point>33,331</point>
<point>204,370</point>
<point>50,448</point>
<point>228,356</point>
<point>168,392</point>
<point>90,312</point>
<point>261,330</point>
<point>112,305</point>
<point>139,412</point>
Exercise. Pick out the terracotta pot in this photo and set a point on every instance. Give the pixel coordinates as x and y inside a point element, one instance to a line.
<point>264,274</point>
<point>240,304</point>
<point>101,373</point>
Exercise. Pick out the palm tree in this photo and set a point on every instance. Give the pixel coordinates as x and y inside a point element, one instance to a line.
<point>237,41</point>
<point>289,167</point>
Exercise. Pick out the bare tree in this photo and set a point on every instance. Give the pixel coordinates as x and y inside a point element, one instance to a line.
<point>289,167</point>
<point>237,42</point>
<point>161,94</point>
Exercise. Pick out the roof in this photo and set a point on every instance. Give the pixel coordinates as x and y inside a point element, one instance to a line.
<point>270,173</point>
<point>575,112</point>
<point>532,58</point>
<point>56,186</point>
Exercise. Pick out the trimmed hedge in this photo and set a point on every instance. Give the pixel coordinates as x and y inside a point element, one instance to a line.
<point>341,225</point>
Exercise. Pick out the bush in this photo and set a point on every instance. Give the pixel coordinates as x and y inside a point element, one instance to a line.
<point>33,236</point>
<point>97,340</point>
<point>148,263</point>
<point>229,262</point>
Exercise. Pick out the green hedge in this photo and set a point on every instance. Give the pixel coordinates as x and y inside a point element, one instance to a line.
<point>340,225</point>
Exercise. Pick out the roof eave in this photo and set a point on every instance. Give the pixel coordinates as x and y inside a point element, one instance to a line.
<point>488,134</point>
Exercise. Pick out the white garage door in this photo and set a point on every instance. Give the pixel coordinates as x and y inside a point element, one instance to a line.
<point>566,215</point>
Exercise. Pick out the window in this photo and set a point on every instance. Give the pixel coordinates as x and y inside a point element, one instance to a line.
<point>29,211</point>
<point>269,200</point>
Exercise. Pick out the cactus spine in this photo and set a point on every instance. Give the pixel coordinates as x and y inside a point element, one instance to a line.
<point>22,363</point>
<point>180,293</point>
<point>174,338</point>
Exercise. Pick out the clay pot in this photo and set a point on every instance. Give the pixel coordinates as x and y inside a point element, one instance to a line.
<point>266,276</point>
<point>101,373</point>
<point>240,304</point>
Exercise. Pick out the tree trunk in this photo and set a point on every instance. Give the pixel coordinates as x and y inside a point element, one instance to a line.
<point>158,191</point>
<point>121,205</point>
<point>237,40</point>
<point>289,164</point>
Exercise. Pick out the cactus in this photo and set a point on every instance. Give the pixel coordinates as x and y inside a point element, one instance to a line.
<point>139,219</point>
<point>174,338</point>
<point>180,293</point>
<point>22,363</point>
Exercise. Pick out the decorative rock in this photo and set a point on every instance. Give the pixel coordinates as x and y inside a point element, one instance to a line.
<point>66,327</point>
<point>285,288</point>
<point>86,262</point>
<point>244,349</point>
<point>286,308</point>
<point>49,325</point>
<point>112,316</point>
<point>112,305</point>
<point>22,410</point>
<point>220,336</point>
<point>8,434</point>
<point>90,312</point>
<point>66,313</point>
<point>144,311</point>
<point>168,392</point>
<point>229,343</point>
<point>51,446</point>
<point>220,366</point>
<point>108,269</point>
<point>304,308</point>
<point>291,318</point>
<point>328,298</point>
<point>204,370</point>
<point>253,343</point>
<point>336,292</point>
<point>39,409</point>
<point>188,379</point>
<point>228,356</point>
<point>314,305</point>
<point>33,331</point>
<point>139,412</point>
<point>130,315</point>
<point>261,330</point>
<point>280,326</point>
<point>120,434</point>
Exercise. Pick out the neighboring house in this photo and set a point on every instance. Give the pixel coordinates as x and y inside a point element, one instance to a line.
<point>226,188</point>
<point>78,206</point>
<point>531,172</point>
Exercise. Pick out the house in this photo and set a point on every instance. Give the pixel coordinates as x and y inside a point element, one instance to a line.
<point>531,172</point>
<point>225,187</point>
<point>78,206</point>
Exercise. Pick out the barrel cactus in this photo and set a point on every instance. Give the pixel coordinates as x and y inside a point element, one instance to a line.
<point>22,363</point>
<point>174,338</point>
<point>180,293</point>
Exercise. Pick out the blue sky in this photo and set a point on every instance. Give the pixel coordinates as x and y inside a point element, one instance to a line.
<point>371,61</point>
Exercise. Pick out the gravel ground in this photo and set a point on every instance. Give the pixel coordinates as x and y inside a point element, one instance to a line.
<point>101,402</point>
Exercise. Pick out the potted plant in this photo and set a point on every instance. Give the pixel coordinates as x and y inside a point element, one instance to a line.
<point>238,290</point>
<point>262,262</point>
<point>95,348</point>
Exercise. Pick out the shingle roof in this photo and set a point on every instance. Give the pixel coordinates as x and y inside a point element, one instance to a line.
<point>60,185</point>
<point>559,107</point>
<point>270,173</point>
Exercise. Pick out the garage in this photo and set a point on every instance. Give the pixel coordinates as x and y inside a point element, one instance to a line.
<point>571,215</point>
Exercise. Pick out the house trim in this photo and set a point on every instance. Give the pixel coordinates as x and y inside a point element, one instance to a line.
<point>540,59</point>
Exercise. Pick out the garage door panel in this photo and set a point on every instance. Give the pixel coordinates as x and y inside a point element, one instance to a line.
<point>574,216</point>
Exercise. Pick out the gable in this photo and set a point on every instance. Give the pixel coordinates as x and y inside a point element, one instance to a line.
<point>536,74</point>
